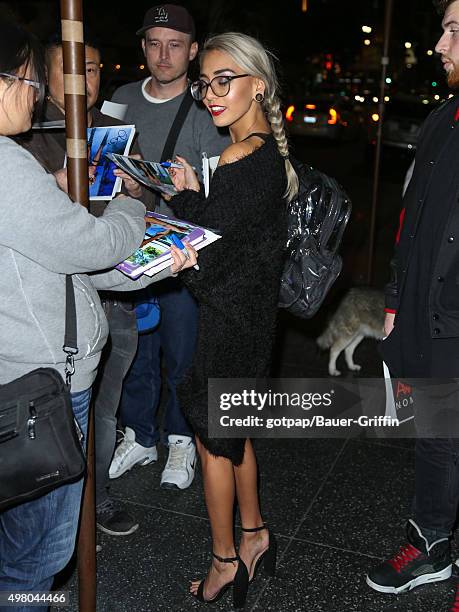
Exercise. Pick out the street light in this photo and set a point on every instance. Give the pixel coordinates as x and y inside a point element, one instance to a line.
<point>367,42</point>
<point>430,52</point>
<point>408,45</point>
<point>367,29</point>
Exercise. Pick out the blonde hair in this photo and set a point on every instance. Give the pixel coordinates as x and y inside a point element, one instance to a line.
<point>254,59</point>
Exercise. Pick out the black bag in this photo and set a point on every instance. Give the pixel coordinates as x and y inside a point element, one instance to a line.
<point>317,218</point>
<point>40,440</point>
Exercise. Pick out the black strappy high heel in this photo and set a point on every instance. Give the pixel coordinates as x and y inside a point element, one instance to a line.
<point>268,556</point>
<point>240,584</point>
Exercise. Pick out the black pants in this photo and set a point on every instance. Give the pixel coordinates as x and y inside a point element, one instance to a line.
<point>437,486</point>
<point>437,457</point>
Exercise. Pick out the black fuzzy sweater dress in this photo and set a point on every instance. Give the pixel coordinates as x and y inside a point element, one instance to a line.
<point>237,286</point>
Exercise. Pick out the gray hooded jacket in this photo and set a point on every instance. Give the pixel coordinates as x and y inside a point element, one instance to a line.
<point>43,237</point>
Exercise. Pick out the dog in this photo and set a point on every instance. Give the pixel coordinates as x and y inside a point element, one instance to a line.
<point>360,315</point>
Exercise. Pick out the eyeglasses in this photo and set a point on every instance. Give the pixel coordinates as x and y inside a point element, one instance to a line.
<point>220,85</point>
<point>35,84</point>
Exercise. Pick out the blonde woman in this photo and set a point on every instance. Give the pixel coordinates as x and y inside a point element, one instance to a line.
<point>237,289</point>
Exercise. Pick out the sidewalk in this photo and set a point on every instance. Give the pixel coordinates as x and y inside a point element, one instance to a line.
<point>337,507</point>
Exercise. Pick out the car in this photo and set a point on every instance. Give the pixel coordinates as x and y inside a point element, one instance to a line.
<point>326,117</point>
<point>403,118</point>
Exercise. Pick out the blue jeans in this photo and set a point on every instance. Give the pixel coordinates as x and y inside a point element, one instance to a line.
<point>176,336</point>
<point>116,359</point>
<point>37,538</point>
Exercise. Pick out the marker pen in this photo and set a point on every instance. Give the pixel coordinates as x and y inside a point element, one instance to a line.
<point>173,165</point>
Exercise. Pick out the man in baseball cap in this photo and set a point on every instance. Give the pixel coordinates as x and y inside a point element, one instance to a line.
<point>168,43</point>
<point>169,16</point>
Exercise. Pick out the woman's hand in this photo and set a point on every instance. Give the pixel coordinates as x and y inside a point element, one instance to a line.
<point>184,178</point>
<point>389,323</point>
<point>183,258</point>
<point>133,188</point>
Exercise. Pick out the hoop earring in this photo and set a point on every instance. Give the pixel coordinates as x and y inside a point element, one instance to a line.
<point>259,97</point>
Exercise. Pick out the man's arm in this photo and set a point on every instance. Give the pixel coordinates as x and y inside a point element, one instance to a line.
<point>389,323</point>
<point>391,289</point>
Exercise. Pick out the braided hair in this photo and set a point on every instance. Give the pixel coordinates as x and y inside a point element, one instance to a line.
<point>254,59</point>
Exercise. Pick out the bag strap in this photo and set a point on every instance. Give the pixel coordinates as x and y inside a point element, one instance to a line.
<point>70,347</point>
<point>176,126</point>
<point>174,132</point>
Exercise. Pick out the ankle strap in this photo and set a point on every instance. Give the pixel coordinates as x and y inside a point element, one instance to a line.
<point>253,529</point>
<point>225,559</point>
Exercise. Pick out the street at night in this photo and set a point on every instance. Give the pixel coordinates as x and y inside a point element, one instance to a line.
<point>352,84</point>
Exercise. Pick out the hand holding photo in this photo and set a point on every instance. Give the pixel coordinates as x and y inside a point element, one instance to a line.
<point>103,141</point>
<point>151,174</point>
<point>184,175</point>
<point>179,244</point>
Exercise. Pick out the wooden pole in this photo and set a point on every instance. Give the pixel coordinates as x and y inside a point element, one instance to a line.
<point>77,171</point>
<point>75,99</point>
<point>382,104</point>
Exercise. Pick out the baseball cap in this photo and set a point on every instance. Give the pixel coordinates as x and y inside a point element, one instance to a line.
<point>170,16</point>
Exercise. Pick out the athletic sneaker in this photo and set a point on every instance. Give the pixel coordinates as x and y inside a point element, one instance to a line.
<point>179,470</point>
<point>130,453</point>
<point>416,563</point>
<point>112,519</point>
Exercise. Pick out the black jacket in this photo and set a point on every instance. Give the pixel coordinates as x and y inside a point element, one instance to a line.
<point>436,165</point>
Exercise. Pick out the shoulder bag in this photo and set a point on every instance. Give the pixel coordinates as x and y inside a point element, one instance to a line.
<point>40,440</point>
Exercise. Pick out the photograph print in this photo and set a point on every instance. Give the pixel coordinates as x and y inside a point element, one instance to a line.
<point>103,184</point>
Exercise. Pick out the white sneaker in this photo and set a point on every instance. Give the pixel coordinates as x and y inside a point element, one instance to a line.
<point>129,453</point>
<point>179,470</point>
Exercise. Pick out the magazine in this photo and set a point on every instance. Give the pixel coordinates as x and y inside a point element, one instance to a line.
<point>103,184</point>
<point>208,239</point>
<point>151,174</point>
<point>154,254</point>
